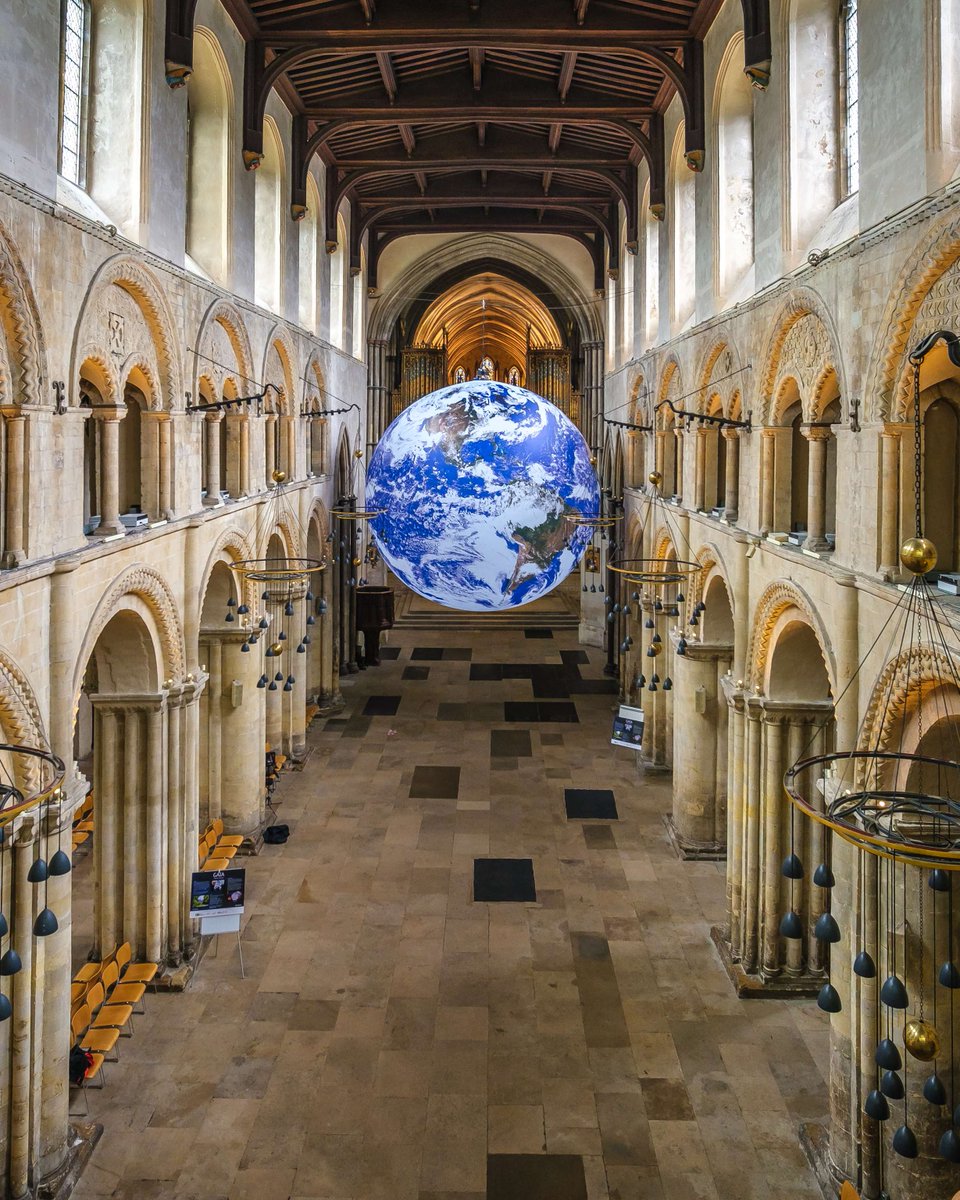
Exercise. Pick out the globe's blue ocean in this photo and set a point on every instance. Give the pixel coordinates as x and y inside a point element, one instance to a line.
<point>477,482</point>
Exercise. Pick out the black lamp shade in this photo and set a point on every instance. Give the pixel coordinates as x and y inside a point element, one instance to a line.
<point>949,1147</point>
<point>826,928</point>
<point>829,999</point>
<point>905,1142</point>
<point>823,876</point>
<point>60,863</point>
<point>10,964</point>
<point>888,1056</point>
<point>893,993</point>
<point>791,926</point>
<point>4,927</point>
<point>46,923</point>
<point>792,867</point>
<point>864,966</point>
<point>949,975</point>
<point>892,1085</point>
<point>38,871</point>
<point>876,1106</point>
<point>933,1090</point>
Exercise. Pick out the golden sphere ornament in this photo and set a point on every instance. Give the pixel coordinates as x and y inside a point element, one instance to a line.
<point>921,1039</point>
<point>655,478</point>
<point>276,649</point>
<point>918,555</point>
<point>279,476</point>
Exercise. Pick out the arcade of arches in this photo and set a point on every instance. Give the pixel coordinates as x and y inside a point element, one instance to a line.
<point>236,238</point>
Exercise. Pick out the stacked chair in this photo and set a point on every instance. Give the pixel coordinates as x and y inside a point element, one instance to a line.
<point>217,848</point>
<point>83,822</point>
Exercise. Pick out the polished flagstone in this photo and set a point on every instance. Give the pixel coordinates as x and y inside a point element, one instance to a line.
<point>395,1039</point>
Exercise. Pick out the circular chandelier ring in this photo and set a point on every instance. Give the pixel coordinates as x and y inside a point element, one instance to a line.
<point>23,803</point>
<point>893,799</point>
<point>283,570</point>
<point>359,514</point>
<point>591,522</point>
<point>656,572</point>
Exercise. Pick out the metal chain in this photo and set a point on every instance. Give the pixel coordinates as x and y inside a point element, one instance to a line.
<point>923,947</point>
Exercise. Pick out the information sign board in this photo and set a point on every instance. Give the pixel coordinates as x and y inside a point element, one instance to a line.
<point>628,727</point>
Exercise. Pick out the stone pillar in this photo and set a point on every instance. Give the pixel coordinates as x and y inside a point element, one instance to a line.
<point>239,716</point>
<point>192,691</point>
<point>731,499</point>
<point>269,448</point>
<point>165,469</point>
<point>176,864</point>
<point>773,803</point>
<point>109,473</point>
<point>154,847</point>
<point>767,493</point>
<point>817,437</point>
<point>107,783</point>
<point>212,432</point>
<point>212,705</point>
<point>750,858</point>
<point>288,440</point>
<point>678,459</point>
<point>244,465</point>
<point>23,999</point>
<point>697,824</point>
<point>700,481</point>
<point>15,424</point>
<point>378,395</point>
<point>736,804</point>
<point>53,983</point>
<point>593,371</point>
<point>890,443</point>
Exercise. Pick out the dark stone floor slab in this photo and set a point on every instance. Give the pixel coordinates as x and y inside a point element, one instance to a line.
<point>510,743</point>
<point>560,711</point>
<point>587,804</point>
<point>390,652</point>
<point>535,1177</point>
<point>526,711</point>
<point>592,687</point>
<point>382,706</point>
<point>601,1007</point>
<point>504,879</point>
<point>486,672</point>
<point>538,633</point>
<point>551,739</point>
<point>415,673</point>
<point>356,727</point>
<point>574,658</point>
<point>550,683</point>
<point>457,654</point>
<point>452,712</point>
<point>435,783</point>
<point>427,653</point>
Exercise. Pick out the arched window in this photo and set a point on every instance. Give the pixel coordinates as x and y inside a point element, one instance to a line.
<point>513,376</point>
<point>460,375</point>
<point>130,490</point>
<point>941,474</point>
<point>734,216</point>
<point>683,242</point>
<point>944,74</point>
<point>651,273</point>
<point>268,250</point>
<point>814,94</point>
<point>308,258</point>
<point>627,273</point>
<point>208,162</point>
<point>338,291</point>
<point>73,89</point>
<point>850,64</point>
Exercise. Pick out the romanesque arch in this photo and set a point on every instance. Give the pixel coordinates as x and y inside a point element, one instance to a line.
<point>22,351</point>
<point>803,342</point>
<point>223,339</point>
<point>775,601</point>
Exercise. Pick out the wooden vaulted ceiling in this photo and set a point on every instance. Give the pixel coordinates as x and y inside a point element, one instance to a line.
<point>450,115</point>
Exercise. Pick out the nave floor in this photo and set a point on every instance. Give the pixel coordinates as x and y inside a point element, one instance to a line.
<point>392,1033</point>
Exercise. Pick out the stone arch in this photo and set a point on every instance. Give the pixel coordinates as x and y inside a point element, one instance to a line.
<point>99,324</point>
<point>775,601</point>
<point>802,343</point>
<point>911,675</point>
<point>20,720</point>
<point>664,546</point>
<point>634,538</point>
<point>222,320</point>
<point>280,343</point>
<point>720,357</point>
<point>711,565</point>
<point>639,401</point>
<point>671,382</point>
<point>22,350</point>
<point>927,298</point>
<point>463,256</point>
<point>289,534</point>
<point>230,547</point>
<point>148,586</point>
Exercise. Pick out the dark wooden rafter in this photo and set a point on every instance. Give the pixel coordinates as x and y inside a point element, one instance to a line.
<point>757,41</point>
<point>579,88</point>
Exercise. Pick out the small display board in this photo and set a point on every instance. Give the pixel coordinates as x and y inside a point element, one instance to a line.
<point>217,891</point>
<point>628,727</point>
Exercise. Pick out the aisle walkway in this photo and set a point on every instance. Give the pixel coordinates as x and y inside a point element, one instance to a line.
<point>396,1040</point>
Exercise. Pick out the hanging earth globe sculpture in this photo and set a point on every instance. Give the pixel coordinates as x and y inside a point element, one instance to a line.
<point>481,487</point>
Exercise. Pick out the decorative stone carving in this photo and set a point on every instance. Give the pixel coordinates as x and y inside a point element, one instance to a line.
<point>912,672</point>
<point>279,368</point>
<point>776,600</point>
<point>223,342</point>
<point>22,352</point>
<point>940,309</point>
<point>802,345</point>
<point>143,581</point>
<point>231,546</point>
<point>936,255</point>
<point>124,288</point>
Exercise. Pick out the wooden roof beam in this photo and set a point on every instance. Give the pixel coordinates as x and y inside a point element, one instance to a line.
<point>369,10</point>
<point>388,75</point>
<point>476,67</point>
<point>408,138</point>
<point>580,10</point>
<point>567,69</point>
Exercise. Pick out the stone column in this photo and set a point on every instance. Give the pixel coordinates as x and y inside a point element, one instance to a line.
<point>767,494</point>
<point>175,861</point>
<point>817,437</point>
<point>166,466</point>
<point>593,372</point>
<point>23,1000</point>
<point>53,983</point>
<point>890,443</point>
<point>269,448</point>
<point>212,433</point>
<point>15,423</point>
<point>731,499</point>
<point>377,391</point>
<point>193,689</point>
<point>288,439</point>
<point>696,703</point>
<point>700,481</point>
<point>736,804</point>
<point>750,858</point>
<point>213,704</point>
<point>109,473</point>
<point>678,459</point>
<point>773,802</point>
<point>660,452</point>
<point>107,784</point>
<point>240,718</point>
<point>244,466</point>
<point>155,778</point>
